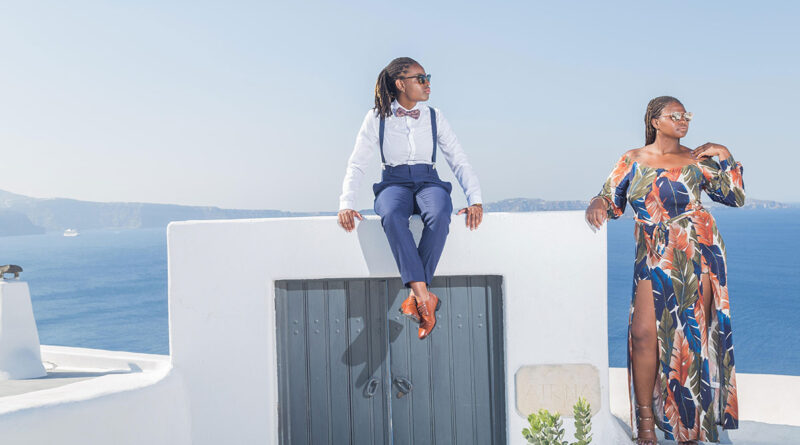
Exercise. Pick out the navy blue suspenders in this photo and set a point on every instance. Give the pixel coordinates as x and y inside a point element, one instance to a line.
<point>435,135</point>
<point>433,131</point>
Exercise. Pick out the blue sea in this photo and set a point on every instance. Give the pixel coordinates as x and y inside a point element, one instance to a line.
<point>108,289</point>
<point>103,289</point>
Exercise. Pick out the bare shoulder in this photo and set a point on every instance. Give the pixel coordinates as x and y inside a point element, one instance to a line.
<point>634,153</point>
<point>686,154</point>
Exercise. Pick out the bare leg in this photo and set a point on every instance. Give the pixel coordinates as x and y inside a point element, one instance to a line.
<point>420,291</point>
<point>644,358</point>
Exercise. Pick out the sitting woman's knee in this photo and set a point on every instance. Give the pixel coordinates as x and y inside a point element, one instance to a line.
<point>439,216</point>
<point>394,218</point>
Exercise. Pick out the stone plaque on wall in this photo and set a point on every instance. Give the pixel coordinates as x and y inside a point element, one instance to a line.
<point>556,388</point>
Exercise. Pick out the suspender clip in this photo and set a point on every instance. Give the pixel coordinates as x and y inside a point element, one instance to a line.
<point>383,166</point>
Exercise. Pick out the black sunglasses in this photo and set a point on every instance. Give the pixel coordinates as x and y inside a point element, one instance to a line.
<point>421,78</point>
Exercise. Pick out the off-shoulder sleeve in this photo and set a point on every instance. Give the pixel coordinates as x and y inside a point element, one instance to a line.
<point>723,181</point>
<point>615,189</point>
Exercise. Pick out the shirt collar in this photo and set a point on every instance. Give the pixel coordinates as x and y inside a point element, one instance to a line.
<point>396,105</point>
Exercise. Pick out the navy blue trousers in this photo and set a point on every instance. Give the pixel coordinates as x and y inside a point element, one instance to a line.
<point>404,191</point>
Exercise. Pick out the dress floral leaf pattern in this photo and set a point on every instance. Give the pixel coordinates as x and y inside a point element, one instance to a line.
<point>676,242</point>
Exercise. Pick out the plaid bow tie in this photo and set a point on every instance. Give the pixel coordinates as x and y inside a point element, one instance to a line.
<point>399,112</point>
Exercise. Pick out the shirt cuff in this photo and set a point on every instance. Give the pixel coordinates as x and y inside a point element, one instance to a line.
<point>474,199</point>
<point>343,205</point>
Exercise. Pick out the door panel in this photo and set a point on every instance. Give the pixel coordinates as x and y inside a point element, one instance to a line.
<point>339,375</point>
<point>332,369</point>
<point>292,361</point>
<point>352,370</point>
<point>453,375</point>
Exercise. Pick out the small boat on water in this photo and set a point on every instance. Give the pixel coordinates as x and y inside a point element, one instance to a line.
<point>71,232</point>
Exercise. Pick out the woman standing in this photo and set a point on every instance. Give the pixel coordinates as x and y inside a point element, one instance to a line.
<point>680,349</point>
<point>407,136</point>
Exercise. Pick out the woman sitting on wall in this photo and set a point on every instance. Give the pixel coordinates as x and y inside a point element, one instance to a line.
<point>407,136</point>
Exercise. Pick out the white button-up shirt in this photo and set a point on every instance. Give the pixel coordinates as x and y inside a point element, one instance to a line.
<point>407,141</point>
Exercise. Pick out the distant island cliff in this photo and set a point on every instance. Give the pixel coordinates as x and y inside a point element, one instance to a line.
<point>16,223</point>
<point>24,215</point>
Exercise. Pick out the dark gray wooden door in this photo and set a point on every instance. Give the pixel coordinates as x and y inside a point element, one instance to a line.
<point>352,371</point>
<point>457,394</point>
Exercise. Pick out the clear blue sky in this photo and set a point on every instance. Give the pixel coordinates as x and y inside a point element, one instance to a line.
<point>253,105</point>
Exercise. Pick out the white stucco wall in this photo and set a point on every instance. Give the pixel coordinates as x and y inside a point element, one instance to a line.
<point>146,405</point>
<point>147,415</point>
<point>222,310</point>
<point>19,340</point>
<point>220,384</point>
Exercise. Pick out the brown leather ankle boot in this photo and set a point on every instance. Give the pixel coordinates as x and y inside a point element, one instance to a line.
<point>427,315</point>
<point>409,308</point>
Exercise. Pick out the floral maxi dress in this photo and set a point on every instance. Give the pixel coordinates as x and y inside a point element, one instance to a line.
<point>677,241</point>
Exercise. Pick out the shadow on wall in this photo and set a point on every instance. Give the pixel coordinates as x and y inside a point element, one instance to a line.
<point>369,347</point>
<point>377,254</point>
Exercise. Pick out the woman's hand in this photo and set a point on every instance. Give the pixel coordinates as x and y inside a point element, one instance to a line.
<point>710,149</point>
<point>474,215</point>
<point>347,219</point>
<point>597,212</point>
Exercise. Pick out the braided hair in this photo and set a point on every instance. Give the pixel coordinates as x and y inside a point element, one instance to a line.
<point>385,88</point>
<point>654,109</point>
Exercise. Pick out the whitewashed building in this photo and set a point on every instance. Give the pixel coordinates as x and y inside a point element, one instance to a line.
<point>284,331</point>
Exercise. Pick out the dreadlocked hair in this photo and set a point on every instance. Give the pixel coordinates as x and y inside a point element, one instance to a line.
<point>654,109</point>
<point>385,89</point>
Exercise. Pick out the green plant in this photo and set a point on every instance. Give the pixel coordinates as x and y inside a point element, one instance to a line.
<point>546,428</point>
<point>583,422</point>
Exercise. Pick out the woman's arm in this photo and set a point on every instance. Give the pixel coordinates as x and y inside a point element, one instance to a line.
<point>457,160</point>
<point>610,202</point>
<point>366,145</point>
<point>723,181</point>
